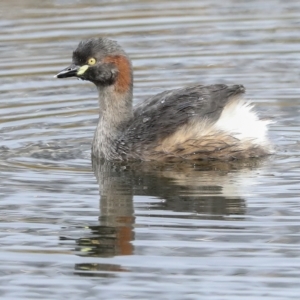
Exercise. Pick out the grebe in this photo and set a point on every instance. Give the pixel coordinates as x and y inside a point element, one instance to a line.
<point>196,122</point>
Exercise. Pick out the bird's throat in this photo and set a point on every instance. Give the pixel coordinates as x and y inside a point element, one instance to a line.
<point>115,108</point>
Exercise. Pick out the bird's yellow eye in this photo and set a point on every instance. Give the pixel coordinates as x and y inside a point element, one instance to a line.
<point>91,61</point>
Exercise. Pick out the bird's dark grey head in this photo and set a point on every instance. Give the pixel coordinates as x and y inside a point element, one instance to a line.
<point>97,48</point>
<point>101,61</point>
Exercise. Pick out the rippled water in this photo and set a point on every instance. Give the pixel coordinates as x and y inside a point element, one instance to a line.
<point>184,231</point>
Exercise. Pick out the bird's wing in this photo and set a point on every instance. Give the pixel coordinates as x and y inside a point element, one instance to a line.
<point>162,114</point>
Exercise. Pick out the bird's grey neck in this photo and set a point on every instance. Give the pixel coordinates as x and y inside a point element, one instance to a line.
<point>115,113</point>
<point>115,108</point>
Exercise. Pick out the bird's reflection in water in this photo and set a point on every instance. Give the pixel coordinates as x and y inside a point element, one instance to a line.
<point>206,190</point>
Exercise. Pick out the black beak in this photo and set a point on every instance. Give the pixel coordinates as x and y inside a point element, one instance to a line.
<point>70,71</point>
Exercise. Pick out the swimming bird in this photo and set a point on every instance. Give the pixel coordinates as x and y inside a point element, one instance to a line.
<point>200,122</point>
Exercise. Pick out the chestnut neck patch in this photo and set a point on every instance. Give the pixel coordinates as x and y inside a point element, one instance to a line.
<point>124,77</point>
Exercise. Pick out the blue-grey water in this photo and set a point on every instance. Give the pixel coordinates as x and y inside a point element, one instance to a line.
<point>70,230</point>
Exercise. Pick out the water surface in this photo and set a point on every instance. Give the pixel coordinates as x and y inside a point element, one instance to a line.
<point>183,231</point>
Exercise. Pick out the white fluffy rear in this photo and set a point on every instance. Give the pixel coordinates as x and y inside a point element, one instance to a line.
<point>240,121</point>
